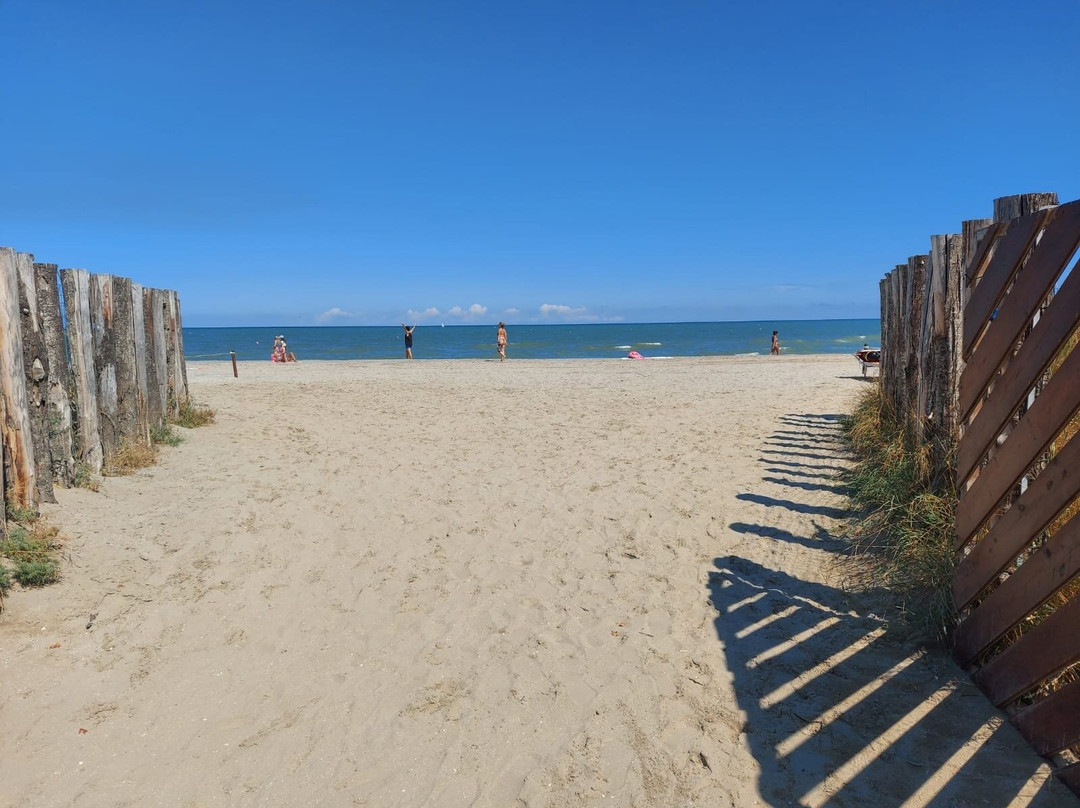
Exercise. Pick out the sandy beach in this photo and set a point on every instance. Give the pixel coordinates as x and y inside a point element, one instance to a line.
<point>473,583</point>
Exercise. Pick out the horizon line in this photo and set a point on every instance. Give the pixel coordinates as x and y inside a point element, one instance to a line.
<point>527,323</point>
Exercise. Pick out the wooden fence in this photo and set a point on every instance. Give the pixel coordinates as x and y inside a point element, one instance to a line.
<point>994,366</point>
<point>88,364</point>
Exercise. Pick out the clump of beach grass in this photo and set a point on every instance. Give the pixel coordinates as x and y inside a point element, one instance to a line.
<point>5,584</point>
<point>165,435</point>
<point>128,459</point>
<point>18,513</point>
<point>34,551</point>
<point>906,516</point>
<point>84,477</point>
<point>191,415</point>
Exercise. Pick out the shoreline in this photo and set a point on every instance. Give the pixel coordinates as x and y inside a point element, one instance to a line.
<point>262,370</point>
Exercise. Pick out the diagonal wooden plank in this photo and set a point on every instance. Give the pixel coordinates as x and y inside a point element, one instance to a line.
<point>1052,724</point>
<point>1046,571</point>
<point>990,288</point>
<point>1054,327</point>
<point>1036,280</point>
<point>1031,436</point>
<point>1047,494</point>
<point>1050,647</point>
<point>1070,776</point>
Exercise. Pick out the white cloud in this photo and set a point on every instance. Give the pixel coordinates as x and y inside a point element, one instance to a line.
<point>548,309</point>
<point>430,311</point>
<point>511,310</point>
<point>473,312</point>
<point>332,314</point>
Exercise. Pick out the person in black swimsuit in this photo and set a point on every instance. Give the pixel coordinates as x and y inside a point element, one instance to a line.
<point>408,339</point>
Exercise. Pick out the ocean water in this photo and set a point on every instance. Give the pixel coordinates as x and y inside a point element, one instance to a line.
<point>594,341</point>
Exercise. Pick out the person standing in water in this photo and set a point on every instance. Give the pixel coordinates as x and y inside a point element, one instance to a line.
<point>775,349</point>
<point>500,342</point>
<point>408,339</point>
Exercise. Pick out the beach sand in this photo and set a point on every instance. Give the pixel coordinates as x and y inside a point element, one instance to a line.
<point>457,583</point>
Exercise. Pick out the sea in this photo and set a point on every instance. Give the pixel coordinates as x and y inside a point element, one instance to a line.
<point>592,341</point>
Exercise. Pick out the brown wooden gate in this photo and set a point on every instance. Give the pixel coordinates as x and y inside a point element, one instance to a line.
<point>1017,583</point>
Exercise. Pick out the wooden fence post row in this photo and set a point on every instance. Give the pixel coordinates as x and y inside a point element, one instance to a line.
<point>88,363</point>
<point>996,371</point>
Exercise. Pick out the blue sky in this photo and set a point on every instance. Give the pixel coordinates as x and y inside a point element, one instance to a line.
<point>367,162</point>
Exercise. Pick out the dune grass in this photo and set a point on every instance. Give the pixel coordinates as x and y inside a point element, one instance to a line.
<point>907,515</point>
<point>128,459</point>
<point>131,457</point>
<point>33,549</point>
<point>192,415</point>
<point>165,435</point>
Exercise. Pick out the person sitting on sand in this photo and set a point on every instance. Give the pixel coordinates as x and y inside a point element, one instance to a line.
<point>500,342</point>
<point>289,355</point>
<point>281,351</point>
<point>408,339</point>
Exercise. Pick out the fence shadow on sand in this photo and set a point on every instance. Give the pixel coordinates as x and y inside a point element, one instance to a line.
<point>838,711</point>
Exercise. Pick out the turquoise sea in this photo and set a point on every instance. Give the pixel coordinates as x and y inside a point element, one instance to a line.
<point>596,341</point>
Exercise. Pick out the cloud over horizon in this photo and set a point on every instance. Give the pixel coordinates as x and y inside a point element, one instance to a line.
<point>332,314</point>
<point>559,310</point>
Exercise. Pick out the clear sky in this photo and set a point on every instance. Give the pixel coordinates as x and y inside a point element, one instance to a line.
<point>383,160</point>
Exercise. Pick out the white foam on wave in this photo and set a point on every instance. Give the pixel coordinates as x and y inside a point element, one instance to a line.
<point>751,353</point>
<point>622,347</point>
<point>652,343</point>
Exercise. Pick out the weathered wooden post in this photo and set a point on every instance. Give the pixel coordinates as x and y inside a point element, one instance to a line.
<point>955,292</point>
<point>114,361</point>
<point>913,315</point>
<point>899,350</point>
<point>157,386</point>
<point>20,479</point>
<point>76,286</point>
<point>174,346</point>
<point>3,462</point>
<point>234,373</point>
<point>1013,207</point>
<point>138,336</point>
<point>59,407</point>
<point>36,366</point>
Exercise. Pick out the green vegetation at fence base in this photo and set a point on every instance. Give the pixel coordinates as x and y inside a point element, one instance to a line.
<point>906,520</point>
<point>131,457</point>
<point>17,513</point>
<point>84,477</point>
<point>192,415</point>
<point>128,459</point>
<point>165,435</point>
<point>33,549</point>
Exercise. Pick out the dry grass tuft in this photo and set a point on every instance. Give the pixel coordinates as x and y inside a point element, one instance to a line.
<point>193,415</point>
<point>128,459</point>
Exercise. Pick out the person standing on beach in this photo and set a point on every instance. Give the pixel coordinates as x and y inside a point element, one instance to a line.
<point>408,339</point>
<point>500,342</point>
<point>775,349</point>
